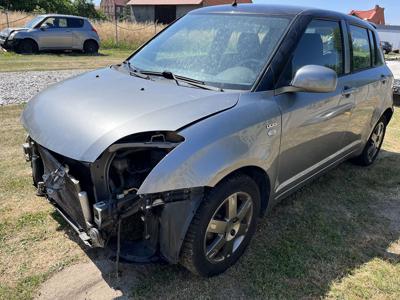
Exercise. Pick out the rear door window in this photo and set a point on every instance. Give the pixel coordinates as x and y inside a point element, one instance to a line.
<point>361,49</point>
<point>75,23</point>
<point>376,50</point>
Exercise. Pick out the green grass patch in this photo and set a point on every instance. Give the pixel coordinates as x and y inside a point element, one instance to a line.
<point>10,61</point>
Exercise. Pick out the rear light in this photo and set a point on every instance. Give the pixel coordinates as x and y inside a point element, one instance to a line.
<point>93,29</point>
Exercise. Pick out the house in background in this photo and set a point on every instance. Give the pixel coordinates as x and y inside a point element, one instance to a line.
<point>166,11</point>
<point>375,15</point>
<point>113,8</point>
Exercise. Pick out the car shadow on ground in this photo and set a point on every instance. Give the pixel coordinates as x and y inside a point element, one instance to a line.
<point>66,53</point>
<point>309,241</point>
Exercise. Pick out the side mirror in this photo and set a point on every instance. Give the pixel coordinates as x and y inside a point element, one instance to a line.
<point>313,79</point>
<point>43,27</point>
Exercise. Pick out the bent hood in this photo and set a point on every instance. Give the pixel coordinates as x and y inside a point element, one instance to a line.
<point>82,116</point>
<point>6,32</point>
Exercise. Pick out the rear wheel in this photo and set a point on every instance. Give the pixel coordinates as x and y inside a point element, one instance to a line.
<point>90,47</point>
<point>27,47</point>
<point>222,227</point>
<point>374,144</point>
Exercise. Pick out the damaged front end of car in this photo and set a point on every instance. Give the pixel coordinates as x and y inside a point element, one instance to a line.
<point>100,199</point>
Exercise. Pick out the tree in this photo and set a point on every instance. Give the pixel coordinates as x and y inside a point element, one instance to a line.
<point>84,8</point>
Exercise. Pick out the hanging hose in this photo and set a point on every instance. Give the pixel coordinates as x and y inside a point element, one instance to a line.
<point>118,248</point>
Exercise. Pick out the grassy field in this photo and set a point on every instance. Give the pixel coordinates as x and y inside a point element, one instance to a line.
<point>10,61</point>
<point>337,238</point>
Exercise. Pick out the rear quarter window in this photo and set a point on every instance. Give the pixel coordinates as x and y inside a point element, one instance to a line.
<point>75,23</point>
<point>377,57</point>
<point>360,47</point>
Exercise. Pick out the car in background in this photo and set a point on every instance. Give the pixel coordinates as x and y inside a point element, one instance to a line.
<point>52,32</point>
<point>386,47</point>
<point>396,87</point>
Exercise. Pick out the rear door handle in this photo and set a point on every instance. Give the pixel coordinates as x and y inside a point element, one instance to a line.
<point>347,91</point>
<point>383,79</point>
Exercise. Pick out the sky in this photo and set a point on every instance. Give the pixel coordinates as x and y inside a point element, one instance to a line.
<point>392,7</point>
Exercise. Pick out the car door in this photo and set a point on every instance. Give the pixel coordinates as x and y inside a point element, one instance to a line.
<point>75,25</point>
<point>367,83</point>
<point>313,124</point>
<point>55,34</point>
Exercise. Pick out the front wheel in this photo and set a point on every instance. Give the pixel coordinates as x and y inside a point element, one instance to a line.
<point>374,144</point>
<point>27,46</point>
<point>222,227</point>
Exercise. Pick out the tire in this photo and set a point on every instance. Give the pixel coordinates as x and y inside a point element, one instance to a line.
<point>27,46</point>
<point>219,233</point>
<point>374,144</point>
<point>90,47</point>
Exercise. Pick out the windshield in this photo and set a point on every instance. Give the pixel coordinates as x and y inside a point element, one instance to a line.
<point>32,23</point>
<point>223,50</point>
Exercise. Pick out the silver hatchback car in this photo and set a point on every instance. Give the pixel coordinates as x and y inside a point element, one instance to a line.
<point>52,32</point>
<point>177,152</point>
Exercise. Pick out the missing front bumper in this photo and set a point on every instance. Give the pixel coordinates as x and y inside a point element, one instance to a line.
<point>164,217</point>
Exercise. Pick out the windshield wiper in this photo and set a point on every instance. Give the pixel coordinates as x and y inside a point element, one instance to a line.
<point>187,80</point>
<point>134,72</point>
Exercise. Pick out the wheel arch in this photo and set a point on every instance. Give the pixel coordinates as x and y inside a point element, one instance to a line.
<point>388,114</point>
<point>22,39</point>
<point>260,177</point>
<point>90,40</point>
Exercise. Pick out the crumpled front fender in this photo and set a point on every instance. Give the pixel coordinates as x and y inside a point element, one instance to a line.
<point>219,145</point>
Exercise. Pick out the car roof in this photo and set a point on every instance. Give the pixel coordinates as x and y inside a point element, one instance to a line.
<point>273,9</point>
<point>61,15</point>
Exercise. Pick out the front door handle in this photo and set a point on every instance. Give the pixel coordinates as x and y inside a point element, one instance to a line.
<point>347,91</point>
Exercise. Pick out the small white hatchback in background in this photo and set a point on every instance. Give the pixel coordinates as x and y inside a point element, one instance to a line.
<point>52,32</point>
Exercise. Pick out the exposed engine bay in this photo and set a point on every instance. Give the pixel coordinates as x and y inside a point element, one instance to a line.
<point>100,201</point>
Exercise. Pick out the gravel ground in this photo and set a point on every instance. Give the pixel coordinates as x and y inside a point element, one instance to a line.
<point>18,87</point>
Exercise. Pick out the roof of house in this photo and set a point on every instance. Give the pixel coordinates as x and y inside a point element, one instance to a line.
<point>115,2</point>
<point>120,2</point>
<point>375,15</point>
<point>183,2</point>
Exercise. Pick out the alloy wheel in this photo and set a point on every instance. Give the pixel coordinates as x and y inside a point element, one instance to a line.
<point>376,140</point>
<point>228,227</point>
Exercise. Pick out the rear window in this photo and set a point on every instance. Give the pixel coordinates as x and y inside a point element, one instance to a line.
<point>75,23</point>
<point>361,48</point>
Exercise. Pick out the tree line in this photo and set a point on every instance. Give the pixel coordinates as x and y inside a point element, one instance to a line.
<point>84,8</point>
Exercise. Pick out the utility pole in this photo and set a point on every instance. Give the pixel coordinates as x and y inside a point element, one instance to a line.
<point>6,11</point>
<point>116,25</point>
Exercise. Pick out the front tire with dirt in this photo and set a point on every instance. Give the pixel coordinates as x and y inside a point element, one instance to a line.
<point>222,227</point>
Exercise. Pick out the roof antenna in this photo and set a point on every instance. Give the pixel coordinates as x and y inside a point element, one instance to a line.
<point>234,3</point>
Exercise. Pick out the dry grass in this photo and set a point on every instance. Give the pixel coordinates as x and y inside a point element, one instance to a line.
<point>130,35</point>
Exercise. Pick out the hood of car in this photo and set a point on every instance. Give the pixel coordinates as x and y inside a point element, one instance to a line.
<point>6,32</point>
<point>82,116</point>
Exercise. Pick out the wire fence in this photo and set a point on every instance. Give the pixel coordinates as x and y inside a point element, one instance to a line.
<point>122,32</point>
<point>13,21</point>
